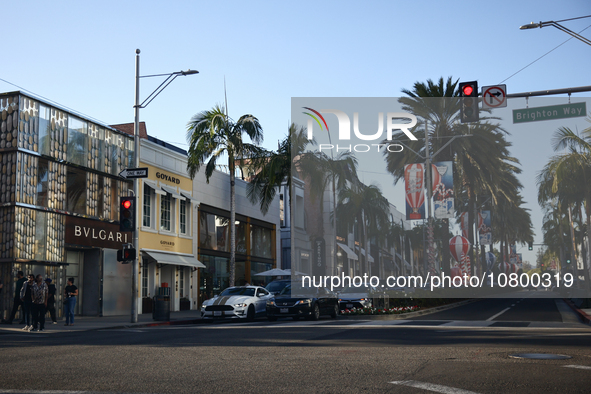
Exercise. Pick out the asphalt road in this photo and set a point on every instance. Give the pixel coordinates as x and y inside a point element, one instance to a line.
<point>449,351</point>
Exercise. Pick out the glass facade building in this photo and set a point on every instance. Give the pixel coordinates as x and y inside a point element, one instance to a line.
<point>59,184</point>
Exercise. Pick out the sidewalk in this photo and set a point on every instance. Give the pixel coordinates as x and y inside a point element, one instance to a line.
<point>89,323</point>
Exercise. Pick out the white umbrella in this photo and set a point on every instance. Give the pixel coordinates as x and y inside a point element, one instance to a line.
<point>273,272</point>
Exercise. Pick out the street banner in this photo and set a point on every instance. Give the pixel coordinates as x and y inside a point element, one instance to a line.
<point>464,223</point>
<point>485,229</point>
<point>443,189</point>
<point>414,182</point>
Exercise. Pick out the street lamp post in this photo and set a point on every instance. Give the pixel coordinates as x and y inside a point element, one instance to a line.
<point>559,27</point>
<point>136,136</point>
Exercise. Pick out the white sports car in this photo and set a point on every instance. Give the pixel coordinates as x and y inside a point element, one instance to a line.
<point>245,302</point>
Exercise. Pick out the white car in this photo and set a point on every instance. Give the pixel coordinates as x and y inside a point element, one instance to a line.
<point>244,302</point>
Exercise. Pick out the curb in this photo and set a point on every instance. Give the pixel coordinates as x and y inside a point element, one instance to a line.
<point>154,324</point>
<point>403,316</point>
<point>584,317</point>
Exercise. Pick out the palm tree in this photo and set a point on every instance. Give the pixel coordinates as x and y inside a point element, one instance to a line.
<point>365,206</point>
<point>565,179</point>
<point>212,134</point>
<point>480,161</point>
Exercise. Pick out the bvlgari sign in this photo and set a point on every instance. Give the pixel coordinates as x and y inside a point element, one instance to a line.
<point>94,233</point>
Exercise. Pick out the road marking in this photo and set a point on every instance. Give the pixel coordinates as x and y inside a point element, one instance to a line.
<point>432,387</point>
<point>498,314</point>
<point>577,367</point>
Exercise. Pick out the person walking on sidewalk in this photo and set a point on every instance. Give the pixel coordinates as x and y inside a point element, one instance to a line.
<point>39,295</point>
<point>51,300</point>
<point>17,299</point>
<point>70,293</point>
<point>27,300</point>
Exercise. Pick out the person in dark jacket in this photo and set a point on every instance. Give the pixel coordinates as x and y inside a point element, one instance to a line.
<point>27,299</point>
<point>17,298</point>
<point>51,300</point>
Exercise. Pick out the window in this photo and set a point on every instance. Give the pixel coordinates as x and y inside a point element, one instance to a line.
<point>181,282</point>
<point>260,241</point>
<point>77,150</point>
<point>76,191</point>
<point>147,206</point>
<point>44,129</point>
<point>42,175</point>
<point>165,212</point>
<point>183,227</point>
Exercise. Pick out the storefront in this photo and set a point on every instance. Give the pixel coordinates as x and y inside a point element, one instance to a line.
<point>59,193</point>
<point>255,250</point>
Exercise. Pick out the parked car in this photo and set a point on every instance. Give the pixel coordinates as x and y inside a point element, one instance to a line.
<point>243,302</point>
<point>276,286</point>
<point>356,297</point>
<point>322,302</point>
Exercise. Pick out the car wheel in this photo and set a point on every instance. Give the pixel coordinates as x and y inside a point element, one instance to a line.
<point>250,313</point>
<point>272,318</point>
<point>315,312</point>
<point>335,312</point>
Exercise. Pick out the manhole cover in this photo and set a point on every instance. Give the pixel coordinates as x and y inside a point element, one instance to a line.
<point>540,356</point>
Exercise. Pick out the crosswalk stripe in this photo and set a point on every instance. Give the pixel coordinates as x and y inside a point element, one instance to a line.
<point>577,367</point>
<point>432,387</point>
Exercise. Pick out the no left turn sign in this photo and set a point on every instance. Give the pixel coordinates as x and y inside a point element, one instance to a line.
<point>494,96</point>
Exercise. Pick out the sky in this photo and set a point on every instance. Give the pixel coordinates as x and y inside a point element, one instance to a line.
<point>82,54</point>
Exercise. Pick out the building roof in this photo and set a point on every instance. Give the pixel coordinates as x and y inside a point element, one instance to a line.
<point>128,129</point>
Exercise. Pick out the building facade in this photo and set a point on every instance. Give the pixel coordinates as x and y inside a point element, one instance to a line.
<point>59,202</point>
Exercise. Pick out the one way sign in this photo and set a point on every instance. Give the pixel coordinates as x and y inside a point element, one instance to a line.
<point>132,173</point>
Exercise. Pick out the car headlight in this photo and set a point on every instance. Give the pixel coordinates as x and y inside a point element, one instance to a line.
<point>241,305</point>
<point>303,302</point>
<point>270,302</point>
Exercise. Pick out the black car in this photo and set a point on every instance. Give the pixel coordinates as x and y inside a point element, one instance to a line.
<point>322,302</point>
<point>276,286</point>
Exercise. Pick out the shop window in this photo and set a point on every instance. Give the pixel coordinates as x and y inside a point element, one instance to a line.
<point>260,241</point>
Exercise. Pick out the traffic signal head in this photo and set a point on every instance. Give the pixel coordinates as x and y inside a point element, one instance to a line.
<point>568,258</point>
<point>126,254</point>
<point>530,246</point>
<point>469,102</point>
<point>127,214</point>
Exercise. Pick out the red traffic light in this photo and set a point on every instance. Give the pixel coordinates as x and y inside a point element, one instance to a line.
<point>468,90</point>
<point>126,204</point>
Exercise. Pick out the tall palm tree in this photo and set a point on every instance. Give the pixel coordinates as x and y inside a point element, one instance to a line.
<point>566,178</point>
<point>213,134</point>
<point>480,161</point>
<point>365,206</point>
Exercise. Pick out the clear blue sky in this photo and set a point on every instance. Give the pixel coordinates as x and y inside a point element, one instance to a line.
<point>82,54</point>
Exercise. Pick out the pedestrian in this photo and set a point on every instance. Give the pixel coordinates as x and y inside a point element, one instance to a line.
<point>17,299</point>
<point>39,294</point>
<point>27,300</point>
<point>70,293</point>
<point>51,300</point>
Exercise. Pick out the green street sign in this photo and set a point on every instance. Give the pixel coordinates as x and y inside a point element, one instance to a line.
<point>549,113</point>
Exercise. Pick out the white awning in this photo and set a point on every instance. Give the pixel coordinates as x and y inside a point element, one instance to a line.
<point>174,259</point>
<point>350,254</point>
<point>192,200</point>
<point>369,256</point>
<point>154,186</point>
<point>173,192</point>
